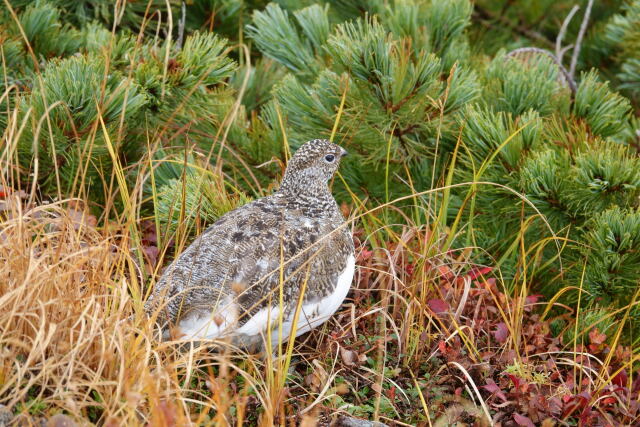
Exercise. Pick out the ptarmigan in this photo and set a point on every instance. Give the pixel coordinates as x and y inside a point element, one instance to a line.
<point>226,284</point>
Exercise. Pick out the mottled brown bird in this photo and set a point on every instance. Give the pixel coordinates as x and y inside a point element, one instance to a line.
<point>227,283</point>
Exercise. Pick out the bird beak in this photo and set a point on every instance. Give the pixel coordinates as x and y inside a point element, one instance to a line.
<point>343,152</point>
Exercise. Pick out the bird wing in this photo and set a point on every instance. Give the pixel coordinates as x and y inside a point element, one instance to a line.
<point>205,271</point>
<point>243,256</point>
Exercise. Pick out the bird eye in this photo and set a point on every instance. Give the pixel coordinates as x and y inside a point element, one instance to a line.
<point>329,158</point>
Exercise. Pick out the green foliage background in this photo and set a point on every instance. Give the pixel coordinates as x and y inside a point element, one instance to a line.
<point>429,87</point>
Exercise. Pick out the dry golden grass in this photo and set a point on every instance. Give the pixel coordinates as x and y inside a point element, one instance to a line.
<point>65,341</point>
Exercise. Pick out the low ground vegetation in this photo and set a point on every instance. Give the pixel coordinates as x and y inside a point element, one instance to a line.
<point>493,192</point>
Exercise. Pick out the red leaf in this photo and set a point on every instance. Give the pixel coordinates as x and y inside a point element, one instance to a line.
<point>364,254</point>
<point>438,305</point>
<point>391,394</point>
<point>493,388</point>
<point>532,299</point>
<point>515,380</point>
<point>576,403</point>
<point>596,337</point>
<point>152,253</point>
<point>621,379</point>
<point>608,401</point>
<point>501,333</point>
<point>409,268</point>
<point>445,272</point>
<point>521,420</point>
<point>474,273</point>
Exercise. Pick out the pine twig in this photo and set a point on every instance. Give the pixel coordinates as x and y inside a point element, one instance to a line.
<point>563,29</point>
<point>576,49</point>
<point>636,141</point>
<point>183,18</point>
<point>563,71</point>
<point>485,16</point>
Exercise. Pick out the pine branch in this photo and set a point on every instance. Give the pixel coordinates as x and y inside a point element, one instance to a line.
<point>578,43</point>
<point>605,112</point>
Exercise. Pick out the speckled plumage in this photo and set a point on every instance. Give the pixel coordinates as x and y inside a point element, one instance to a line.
<point>230,275</point>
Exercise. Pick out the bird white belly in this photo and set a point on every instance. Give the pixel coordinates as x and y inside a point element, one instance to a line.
<point>316,313</point>
<point>199,326</point>
<point>222,322</point>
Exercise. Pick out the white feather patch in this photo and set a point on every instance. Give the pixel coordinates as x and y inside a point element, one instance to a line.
<point>314,314</point>
<point>222,322</point>
<point>198,326</point>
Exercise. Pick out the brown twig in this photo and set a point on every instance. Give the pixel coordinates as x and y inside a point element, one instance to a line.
<point>484,15</point>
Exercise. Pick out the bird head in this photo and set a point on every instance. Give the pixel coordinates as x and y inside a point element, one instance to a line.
<point>313,164</point>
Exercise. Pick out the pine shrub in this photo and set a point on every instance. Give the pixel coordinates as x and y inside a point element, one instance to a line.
<point>417,81</point>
